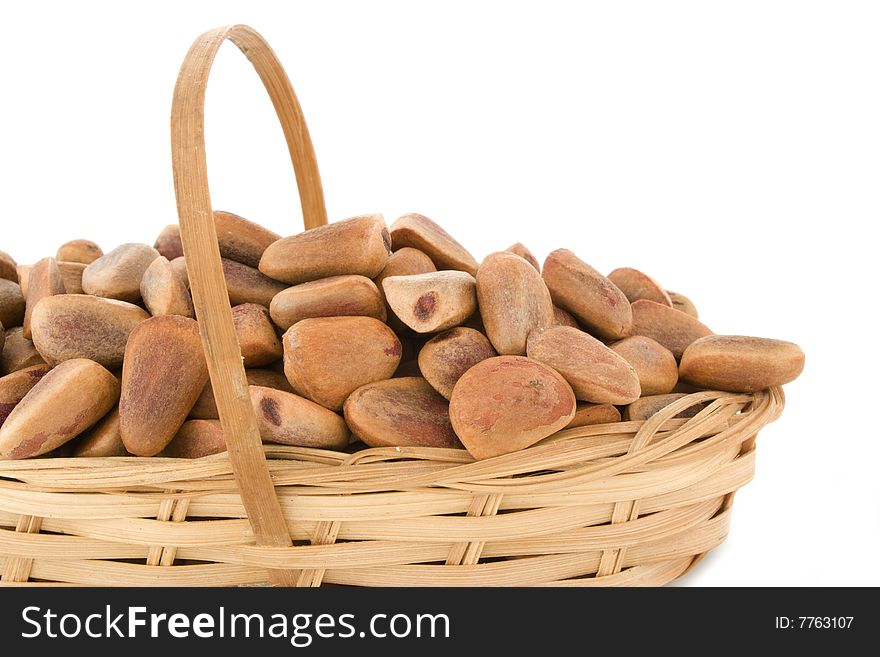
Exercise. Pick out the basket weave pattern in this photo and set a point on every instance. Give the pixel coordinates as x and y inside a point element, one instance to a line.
<point>632,503</point>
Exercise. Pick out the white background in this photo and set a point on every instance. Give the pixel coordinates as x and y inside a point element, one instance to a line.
<point>731,150</point>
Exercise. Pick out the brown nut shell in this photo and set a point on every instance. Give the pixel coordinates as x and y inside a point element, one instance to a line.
<point>8,267</point>
<point>328,358</point>
<point>195,439</point>
<point>118,273</point>
<point>71,275</point>
<point>205,407</point>
<point>101,440</point>
<point>447,356</point>
<point>337,296</point>
<point>508,403</point>
<point>179,267</point>
<point>14,386</point>
<point>419,232</point>
<point>82,251</point>
<point>169,244</point>
<point>44,280</point>
<point>564,318</point>
<point>65,402</point>
<point>84,326</point>
<point>637,285</point>
<point>595,372</point>
<point>513,301</point>
<point>596,302</point>
<point>163,292</point>
<point>588,414</point>
<point>242,240</point>
<point>256,335</point>
<point>248,285</point>
<point>24,272</point>
<point>404,412</point>
<point>403,262</point>
<point>289,419</point>
<point>682,303</point>
<point>162,376</point>
<point>646,407</point>
<point>672,328</point>
<point>432,302</point>
<point>654,364</point>
<point>359,245</point>
<point>738,363</point>
<point>11,304</point>
<point>523,252</point>
<point>18,352</point>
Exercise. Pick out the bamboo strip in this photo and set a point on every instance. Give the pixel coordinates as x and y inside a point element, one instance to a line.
<point>18,569</point>
<point>202,253</point>
<point>87,572</point>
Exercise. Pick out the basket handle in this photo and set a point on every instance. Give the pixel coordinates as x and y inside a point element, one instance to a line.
<point>199,237</point>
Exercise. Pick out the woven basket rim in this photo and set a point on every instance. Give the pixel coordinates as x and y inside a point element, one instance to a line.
<point>561,449</point>
<point>629,503</point>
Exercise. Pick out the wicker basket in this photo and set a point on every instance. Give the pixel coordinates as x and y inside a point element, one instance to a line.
<point>630,503</point>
